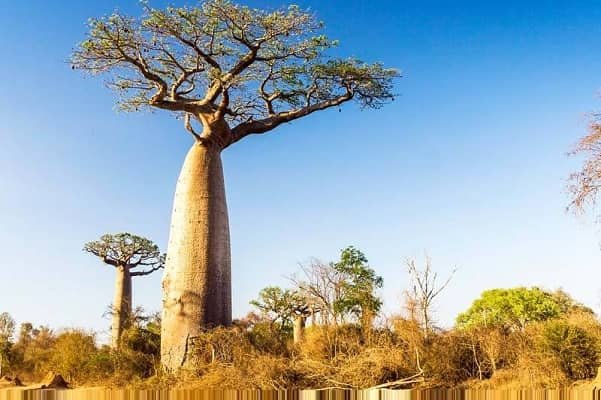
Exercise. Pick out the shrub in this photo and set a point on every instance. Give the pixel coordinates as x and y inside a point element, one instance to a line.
<point>268,338</point>
<point>71,355</point>
<point>576,350</point>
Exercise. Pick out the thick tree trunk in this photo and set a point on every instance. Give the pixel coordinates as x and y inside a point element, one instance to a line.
<point>299,328</point>
<point>122,304</point>
<point>197,279</point>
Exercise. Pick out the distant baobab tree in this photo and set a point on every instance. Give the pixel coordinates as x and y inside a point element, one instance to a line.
<point>236,71</point>
<point>131,256</point>
<point>289,308</point>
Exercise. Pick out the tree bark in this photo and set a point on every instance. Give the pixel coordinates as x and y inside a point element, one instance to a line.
<point>197,278</point>
<point>299,328</point>
<point>122,304</point>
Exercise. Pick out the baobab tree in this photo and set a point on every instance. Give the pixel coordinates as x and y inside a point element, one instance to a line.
<point>237,72</point>
<point>289,308</point>
<point>131,256</point>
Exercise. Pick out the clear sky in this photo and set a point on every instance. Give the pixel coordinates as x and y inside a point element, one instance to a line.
<point>467,164</point>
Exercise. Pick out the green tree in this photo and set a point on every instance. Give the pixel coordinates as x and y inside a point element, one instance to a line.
<point>358,287</point>
<point>277,305</point>
<point>238,72</point>
<point>131,256</point>
<point>511,308</point>
<point>289,308</point>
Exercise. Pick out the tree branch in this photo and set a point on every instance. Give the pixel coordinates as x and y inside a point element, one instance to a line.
<point>267,124</point>
<point>190,128</point>
<point>109,261</point>
<point>148,271</point>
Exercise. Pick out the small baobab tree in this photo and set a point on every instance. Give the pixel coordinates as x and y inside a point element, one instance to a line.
<point>237,72</point>
<point>302,308</point>
<point>289,308</point>
<point>131,256</point>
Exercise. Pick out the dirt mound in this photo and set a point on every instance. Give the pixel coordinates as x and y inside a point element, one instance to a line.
<point>6,381</point>
<point>55,381</point>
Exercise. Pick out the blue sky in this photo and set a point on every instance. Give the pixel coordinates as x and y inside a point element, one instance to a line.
<point>467,164</point>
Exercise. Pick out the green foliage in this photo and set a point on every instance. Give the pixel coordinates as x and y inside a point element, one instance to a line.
<point>511,308</point>
<point>277,305</point>
<point>139,353</point>
<point>281,306</point>
<point>127,250</point>
<point>359,284</point>
<point>268,62</point>
<point>576,349</point>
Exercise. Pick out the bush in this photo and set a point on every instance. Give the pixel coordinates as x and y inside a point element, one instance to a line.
<point>451,358</point>
<point>576,350</point>
<point>140,351</point>
<point>267,338</point>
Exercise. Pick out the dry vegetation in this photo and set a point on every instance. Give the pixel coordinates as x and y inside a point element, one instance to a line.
<point>527,337</point>
<point>546,354</point>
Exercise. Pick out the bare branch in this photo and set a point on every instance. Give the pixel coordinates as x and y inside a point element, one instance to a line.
<point>190,128</point>
<point>148,271</point>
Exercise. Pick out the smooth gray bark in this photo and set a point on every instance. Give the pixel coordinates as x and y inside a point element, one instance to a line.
<point>197,279</point>
<point>122,304</point>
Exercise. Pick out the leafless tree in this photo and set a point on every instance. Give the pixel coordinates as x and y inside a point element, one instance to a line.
<point>424,290</point>
<point>322,286</point>
<point>584,185</point>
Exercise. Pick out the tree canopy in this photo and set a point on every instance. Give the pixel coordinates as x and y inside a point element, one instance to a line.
<point>129,251</point>
<point>359,284</point>
<point>281,305</point>
<point>516,307</point>
<point>220,61</point>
